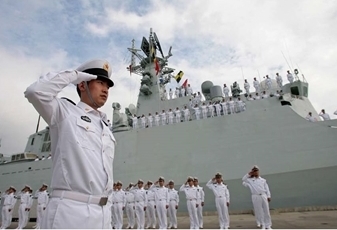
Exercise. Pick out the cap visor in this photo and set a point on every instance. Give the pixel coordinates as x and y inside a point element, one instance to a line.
<point>108,80</point>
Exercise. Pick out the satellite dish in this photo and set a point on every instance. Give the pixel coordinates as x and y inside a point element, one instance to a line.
<point>132,109</point>
<point>158,44</point>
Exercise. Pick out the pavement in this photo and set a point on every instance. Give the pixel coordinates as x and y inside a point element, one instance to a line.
<point>289,220</point>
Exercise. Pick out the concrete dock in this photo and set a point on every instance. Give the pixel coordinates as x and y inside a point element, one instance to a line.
<point>289,220</point>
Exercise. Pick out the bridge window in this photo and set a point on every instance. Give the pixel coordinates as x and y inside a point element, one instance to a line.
<point>294,90</point>
<point>32,142</point>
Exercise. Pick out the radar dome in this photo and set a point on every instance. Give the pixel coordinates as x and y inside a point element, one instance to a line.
<point>132,109</point>
<point>206,87</point>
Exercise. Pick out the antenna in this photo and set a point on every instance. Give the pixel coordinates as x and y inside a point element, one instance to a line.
<point>243,76</point>
<point>38,124</point>
<point>303,78</point>
<point>286,61</point>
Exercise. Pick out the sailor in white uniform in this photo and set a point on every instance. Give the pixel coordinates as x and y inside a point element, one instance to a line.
<point>118,205</point>
<point>29,206</point>
<point>222,201</point>
<point>183,91</point>
<point>240,105</point>
<point>224,107</point>
<point>140,203</point>
<point>193,200</point>
<point>149,120</point>
<point>211,109</point>
<point>310,118</point>
<point>189,90</point>
<point>156,119</point>
<point>324,115</point>
<point>130,207</point>
<point>170,116</point>
<point>268,83</point>
<point>151,221</point>
<point>173,205</point>
<point>113,213</point>
<point>7,208</point>
<point>290,77</point>
<point>171,94</point>
<point>260,197</point>
<point>202,201</point>
<point>225,90</point>
<point>279,80</point>
<point>218,109</point>
<point>264,95</point>
<point>231,104</point>
<point>257,97</point>
<point>256,85</point>
<point>163,117</point>
<point>176,93</point>
<point>80,184</point>
<point>197,112</point>
<point>204,110</point>
<point>42,201</point>
<point>143,121</point>
<point>162,201</point>
<point>246,86</point>
<point>186,114</point>
<point>24,202</point>
<point>250,98</point>
<point>177,114</point>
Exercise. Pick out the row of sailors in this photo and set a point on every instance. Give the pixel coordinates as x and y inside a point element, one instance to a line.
<point>26,202</point>
<point>322,114</point>
<point>219,108</point>
<point>163,200</point>
<point>179,92</point>
<point>256,84</point>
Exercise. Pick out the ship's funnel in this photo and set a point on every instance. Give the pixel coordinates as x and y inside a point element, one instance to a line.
<point>216,93</point>
<point>206,89</point>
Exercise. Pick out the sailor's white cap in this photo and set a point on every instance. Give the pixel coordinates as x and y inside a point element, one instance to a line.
<point>12,187</point>
<point>256,167</point>
<point>140,181</point>
<point>218,175</point>
<point>27,186</point>
<point>149,182</point>
<point>44,184</point>
<point>100,68</point>
<point>195,179</point>
<point>119,182</point>
<point>161,178</point>
<point>171,181</point>
<point>190,178</point>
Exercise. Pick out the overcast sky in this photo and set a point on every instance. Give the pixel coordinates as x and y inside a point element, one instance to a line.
<point>212,40</point>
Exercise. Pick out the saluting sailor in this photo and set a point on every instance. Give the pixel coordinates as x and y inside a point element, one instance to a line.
<point>173,205</point>
<point>118,205</point>
<point>186,114</point>
<point>140,203</point>
<point>162,201</point>
<point>260,196</point>
<point>29,206</point>
<point>7,208</point>
<point>149,120</point>
<point>130,207</point>
<point>24,203</point>
<point>193,200</point>
<point>202,201</point>
<point>134,121</point>
<point>83,146</point>
<point>221,194</point>
<point>42,201</point>
<point>156,119</point>
<point>151,207</point>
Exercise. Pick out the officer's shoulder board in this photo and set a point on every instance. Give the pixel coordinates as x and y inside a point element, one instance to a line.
<point>64,98</point>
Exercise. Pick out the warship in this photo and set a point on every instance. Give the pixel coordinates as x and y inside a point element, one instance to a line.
<point>297,157</point>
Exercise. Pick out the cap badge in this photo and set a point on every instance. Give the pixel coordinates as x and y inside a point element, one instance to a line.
<point>106,66</point>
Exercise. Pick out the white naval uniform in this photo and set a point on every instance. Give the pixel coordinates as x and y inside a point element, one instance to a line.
<point>178,115</point>
<point>221,194</point>
<point>42,201</point>
<point>163,118</point>
<point>325,116</point>
<point>241,106</point>
<point>161,199</point>
<point>279,81</point>
<point>218,109</point>
<point>83,149</point>
<point>189,91</point>
<point>204,111</point>
<point>192,199</point>
<point>143,122</point>
<point>156,120</point>
<point>176,93</point>
<point>170,117</point>
<point>9,203</point>
<point>224,107</point>
<point>186,114</point>
<point>172,211</point>
<point>268,83</point>
<point>149,120</point>
<point>197,113</point>
<point>130,209</point>
<point>310,118</point>
<point>226,91</point>
<point>290,77</point>
<point>140,203</point>
<point>246,86</point>
<point>29,206</point>
<point>134,122</point>
<point>151,220</point>
<point>24,203</point>
<point>256,85</point>
<point>170,94</point>
<point>260,194</point>
<point>211,110</point>
<point>199,209</point>
<point>118,203</point>
<point>183,92</point>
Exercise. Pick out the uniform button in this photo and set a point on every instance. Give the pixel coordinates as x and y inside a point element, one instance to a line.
<point>87,127</point>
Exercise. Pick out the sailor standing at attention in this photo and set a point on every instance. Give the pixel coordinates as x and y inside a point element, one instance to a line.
<point>279,80</point>
<point>118,202</point>
<point>162,201</point>
<point>83,146</point>
<point>197,112</point>
<point>149,120</point>
<point>225,90</point>
<point>256,85</point>
<point>204,110</point>
<point>130,207</point>
<point>24,203</point>
<point>211,109</point>
<point>193,200</point>
<point>42,201</point>
<point>170,116</point>
<point>134,121</point>
<point>143,121</point>
<point>290,77</point>
<point>7,208</point>
<point>140,203</point>
<point>173,205</point>
<point>246,86</point>
<point>186,114</point>
<point>29,206</point>
<point>151,207</point>
<point>170,94</point>
<point>163,117</point>
<point>178,115</point>
<point>202,201</point>
<point>156,119</point>
<point>260,196</point>
<point>221,194</point>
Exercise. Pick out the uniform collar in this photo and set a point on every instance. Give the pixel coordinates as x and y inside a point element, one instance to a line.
<point>89,109</point>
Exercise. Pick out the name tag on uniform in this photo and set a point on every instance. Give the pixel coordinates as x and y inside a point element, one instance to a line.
<point>85,118</point>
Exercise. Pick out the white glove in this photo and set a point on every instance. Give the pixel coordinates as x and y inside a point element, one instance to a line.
<point>81,76</point>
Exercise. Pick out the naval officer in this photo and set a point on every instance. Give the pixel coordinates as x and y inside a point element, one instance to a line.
<point>260,196</point>
<point>140,203</point>
<point>42,201</point>
<point>82,146</point>
<point>162,201</point>
<point>151,207</point>
<point>7,208</point>
<point>202,201</point>
<point>221,194</point>
<point>173,205</point>
<point>193,200</point>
